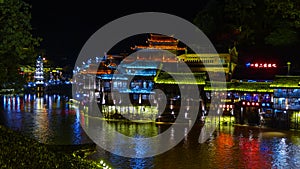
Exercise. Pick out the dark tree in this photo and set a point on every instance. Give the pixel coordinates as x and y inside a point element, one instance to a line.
<point>283,17</point>
<point>17,45</point>
<point>251,22</point>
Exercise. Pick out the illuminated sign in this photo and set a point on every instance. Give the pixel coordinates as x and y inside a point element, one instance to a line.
<point>261,65</point>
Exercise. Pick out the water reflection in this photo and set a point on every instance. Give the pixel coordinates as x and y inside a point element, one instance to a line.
<point>48,118</point>
<point>229,147</point>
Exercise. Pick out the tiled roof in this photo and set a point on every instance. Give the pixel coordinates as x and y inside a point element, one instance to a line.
<point>286,82</point>
<point>181,78</point>
<point>144,64</point>
<point>258,87</point>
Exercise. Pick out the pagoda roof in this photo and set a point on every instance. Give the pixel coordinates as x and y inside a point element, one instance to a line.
<point>112,77</point>
<point>162,47</point>
<point>159,37</point>
<point>140,68</point>
<point>181,78</point>
<point>142,64</point>
<point>163,42</point>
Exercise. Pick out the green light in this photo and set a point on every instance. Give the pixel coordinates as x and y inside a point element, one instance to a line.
<point>260,87</point>
<point>286,82</point>
<point>180,78</point>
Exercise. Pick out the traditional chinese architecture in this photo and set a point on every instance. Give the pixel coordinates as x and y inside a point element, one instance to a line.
<point>161,42</point>
<point>156,67</point>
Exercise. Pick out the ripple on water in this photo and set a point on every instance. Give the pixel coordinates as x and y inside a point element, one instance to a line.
<point>233,147</point>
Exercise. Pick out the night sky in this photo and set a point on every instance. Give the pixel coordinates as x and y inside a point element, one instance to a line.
<point>65,27</point>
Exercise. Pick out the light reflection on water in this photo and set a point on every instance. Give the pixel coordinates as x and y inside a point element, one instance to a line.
<point>51,120</point>
<point>230,147</point>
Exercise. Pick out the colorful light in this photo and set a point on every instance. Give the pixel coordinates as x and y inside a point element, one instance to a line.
<point>248,103</point>
<point>261,65</point>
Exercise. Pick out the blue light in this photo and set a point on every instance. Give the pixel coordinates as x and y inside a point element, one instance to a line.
<point>248,64</point>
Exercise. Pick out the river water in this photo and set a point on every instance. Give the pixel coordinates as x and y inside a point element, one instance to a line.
<point>51,120</point>
<point>48,119</point>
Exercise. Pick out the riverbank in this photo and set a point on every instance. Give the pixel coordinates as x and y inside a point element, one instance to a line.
<point>19,151</point>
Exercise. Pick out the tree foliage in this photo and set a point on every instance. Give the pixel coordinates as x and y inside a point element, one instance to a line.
<point>251,22</point>
<point>17,45</point>
<point>284,18</point>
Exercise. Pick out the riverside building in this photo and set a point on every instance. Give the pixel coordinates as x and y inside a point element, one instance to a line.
<point>142,79</point>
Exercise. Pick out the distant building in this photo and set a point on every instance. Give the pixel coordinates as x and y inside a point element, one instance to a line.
<point>39,71</point>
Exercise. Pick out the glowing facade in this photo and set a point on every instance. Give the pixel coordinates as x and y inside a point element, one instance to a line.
<point>140,74</point>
